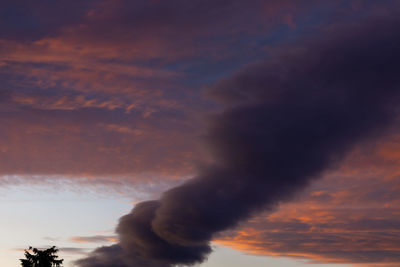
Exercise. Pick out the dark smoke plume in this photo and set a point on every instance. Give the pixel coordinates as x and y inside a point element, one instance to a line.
<point>287,120</point>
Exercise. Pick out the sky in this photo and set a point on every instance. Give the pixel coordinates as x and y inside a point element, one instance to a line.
<point>208,133</point>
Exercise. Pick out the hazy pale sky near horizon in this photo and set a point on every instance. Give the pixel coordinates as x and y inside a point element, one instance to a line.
<point>108,103</point>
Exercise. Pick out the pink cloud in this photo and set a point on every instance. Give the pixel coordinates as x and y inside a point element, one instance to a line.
<point>349,217</point>
<point>94,239</point>
<point>91,142</point>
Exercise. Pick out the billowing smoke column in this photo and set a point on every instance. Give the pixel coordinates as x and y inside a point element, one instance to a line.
<point>287,120</point>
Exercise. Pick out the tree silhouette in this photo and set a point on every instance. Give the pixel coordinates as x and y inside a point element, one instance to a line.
<point>41,258</point>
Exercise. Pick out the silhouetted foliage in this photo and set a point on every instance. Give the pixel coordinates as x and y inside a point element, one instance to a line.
<point>41,258</point>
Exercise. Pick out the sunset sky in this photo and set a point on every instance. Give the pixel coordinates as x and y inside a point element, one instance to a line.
<point>266,131</point>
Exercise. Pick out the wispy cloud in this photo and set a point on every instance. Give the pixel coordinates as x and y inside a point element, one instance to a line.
<point>94,239</point>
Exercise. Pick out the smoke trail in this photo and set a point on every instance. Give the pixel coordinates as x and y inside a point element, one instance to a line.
<point>287,121</point>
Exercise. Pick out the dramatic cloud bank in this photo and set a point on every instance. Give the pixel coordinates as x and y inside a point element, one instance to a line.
<point>100,88</point>
<point>113,88</point>
<point>348,216</point>
<point>288,120</point>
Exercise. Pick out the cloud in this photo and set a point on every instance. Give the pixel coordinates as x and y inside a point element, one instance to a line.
<point>115,256</point>
<point>96,142</point>
<point>107,45</point>
<point>93,239</point>
<point>288,121</point>
<point>346,217</point>
<point>118,61</point>
<point>73,250</point>
<point>39,19</point>
<point>67,250</point>
<point>350,216</point>
<point>154,29</point>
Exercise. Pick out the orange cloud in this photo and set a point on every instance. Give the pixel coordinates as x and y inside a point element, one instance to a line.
<point>90,142</point>
<point>351,216</point>
<point>94,239</point>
